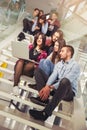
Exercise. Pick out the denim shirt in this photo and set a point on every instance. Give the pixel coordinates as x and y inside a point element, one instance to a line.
<point>69,70</point>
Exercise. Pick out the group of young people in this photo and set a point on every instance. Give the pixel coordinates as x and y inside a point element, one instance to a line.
<point>56,72</point>
<point>41,50</point>
<point>38,22</point>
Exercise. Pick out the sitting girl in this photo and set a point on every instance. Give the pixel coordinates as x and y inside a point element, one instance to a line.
<point>54,24</point>
<point>27,67</point>
<point>40,26</point>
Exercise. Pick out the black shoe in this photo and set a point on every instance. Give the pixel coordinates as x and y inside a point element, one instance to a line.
<point>33,86</point>
<point>38,101</point>
<point>39,115</point>
<point>24,30</point>
<point>21,36</point>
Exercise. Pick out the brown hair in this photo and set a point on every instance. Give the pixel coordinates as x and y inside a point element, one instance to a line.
<point>43,40</point>
<point>60,33</point>
<point>60,38</point>
<point>41,11</point>
<point>56,13</point>
<point>38,11</point>
<point>43,17</point>
<point>57,53</point>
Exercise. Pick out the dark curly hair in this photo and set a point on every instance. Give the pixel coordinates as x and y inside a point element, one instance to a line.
<point>43,17</point>
<point>43,40</point>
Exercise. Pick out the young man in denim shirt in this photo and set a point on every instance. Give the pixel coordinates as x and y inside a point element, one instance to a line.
<point>63,81</point>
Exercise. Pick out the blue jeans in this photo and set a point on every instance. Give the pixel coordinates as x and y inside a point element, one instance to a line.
<point>47,66</point>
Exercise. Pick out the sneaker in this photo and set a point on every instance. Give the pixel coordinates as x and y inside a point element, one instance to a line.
<point>37,100</point>
<point>16,90</point>
<point>39,115</point>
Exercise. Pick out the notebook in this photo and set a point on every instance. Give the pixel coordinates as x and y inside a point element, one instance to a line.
<point>20,50</point>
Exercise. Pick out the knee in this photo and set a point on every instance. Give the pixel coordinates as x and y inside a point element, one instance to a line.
<point>21,61</point>
<point>65,81</point>
<point>37,71</point>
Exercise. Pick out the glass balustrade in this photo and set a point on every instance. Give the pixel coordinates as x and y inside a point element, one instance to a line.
<point>10,11</point>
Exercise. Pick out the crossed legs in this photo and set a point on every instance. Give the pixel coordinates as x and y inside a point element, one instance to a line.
<point>22,67</point>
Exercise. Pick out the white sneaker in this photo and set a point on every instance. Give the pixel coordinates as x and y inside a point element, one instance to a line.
<point>16,91</point>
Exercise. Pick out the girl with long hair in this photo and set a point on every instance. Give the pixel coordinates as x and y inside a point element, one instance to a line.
<point>27,67</point>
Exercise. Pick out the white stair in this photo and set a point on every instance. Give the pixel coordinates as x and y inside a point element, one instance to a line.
<point>75,26</point>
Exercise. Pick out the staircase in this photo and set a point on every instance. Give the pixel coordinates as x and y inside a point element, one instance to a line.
<point>7,61</point>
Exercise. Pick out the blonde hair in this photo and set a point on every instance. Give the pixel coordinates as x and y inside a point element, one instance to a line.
<point>56,13</point>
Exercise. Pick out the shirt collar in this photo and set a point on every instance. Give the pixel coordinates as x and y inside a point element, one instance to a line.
<point>68,62</point>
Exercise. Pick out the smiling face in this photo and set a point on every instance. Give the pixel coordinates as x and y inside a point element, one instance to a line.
<point>39,40</point>
<point>41,13</point>
<point>41,21</point>
<point>36,12</point>
<point>54,16</point>
<point>55,36</point>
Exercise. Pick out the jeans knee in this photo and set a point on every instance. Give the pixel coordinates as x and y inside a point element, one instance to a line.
<point>65,81</point>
